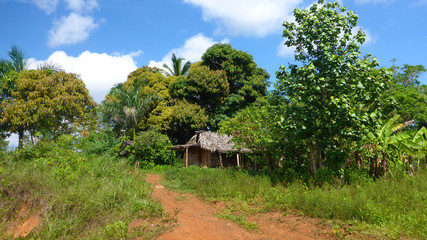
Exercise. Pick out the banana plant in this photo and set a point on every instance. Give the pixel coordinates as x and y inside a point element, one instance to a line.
<point>389,141</point>
<point>420,138</point>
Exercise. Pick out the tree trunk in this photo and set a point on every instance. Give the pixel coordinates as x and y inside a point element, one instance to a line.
<point>267,161</point>
<point>186,157</point>
<point>319,156</point>
<point>21,136</point>
<point>313,159</point>
<point>220,160</point>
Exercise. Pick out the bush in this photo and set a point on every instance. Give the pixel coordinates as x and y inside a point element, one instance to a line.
<point>150,148</point>
<point>99,142</point>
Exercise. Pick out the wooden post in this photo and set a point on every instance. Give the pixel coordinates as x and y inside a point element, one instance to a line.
<point>186,157</point>
<point>171,159</point>
<point>243,155</point>
<point>200,156</point>
<point>220,160</point>
<point>238,159</point>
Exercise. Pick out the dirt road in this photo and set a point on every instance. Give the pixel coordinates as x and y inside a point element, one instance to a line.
<point>196,220</point>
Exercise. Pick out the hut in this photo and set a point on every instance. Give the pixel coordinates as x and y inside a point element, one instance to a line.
<point>211,149</point>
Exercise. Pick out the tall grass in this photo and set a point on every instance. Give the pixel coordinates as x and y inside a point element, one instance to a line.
<point>95,199</point>
<point>396,205</point>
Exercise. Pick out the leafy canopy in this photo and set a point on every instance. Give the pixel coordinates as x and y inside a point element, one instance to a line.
<point>334,91</point>
<point>247,82</point>
<point>407,75</point>
<point>202,86</point>
<point>50,102</point>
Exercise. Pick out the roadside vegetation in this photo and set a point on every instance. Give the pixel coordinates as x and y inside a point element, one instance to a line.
<point>340,137</point>
<point>78,195</point>
<point>392,207</point>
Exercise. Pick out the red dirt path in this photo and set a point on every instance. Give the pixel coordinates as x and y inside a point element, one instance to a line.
<point>196,220</point>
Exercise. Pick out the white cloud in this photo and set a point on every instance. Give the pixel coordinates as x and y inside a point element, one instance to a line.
<point>49,6</point>
<point>247,17</point>
<point>99,71</point>
<point>81,5</point>
<point>192,50</point>
<point>285,51</point>
<point>70,30</point>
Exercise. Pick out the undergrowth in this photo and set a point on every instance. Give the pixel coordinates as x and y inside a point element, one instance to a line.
<point>79,196</point>
<point>392,207</point>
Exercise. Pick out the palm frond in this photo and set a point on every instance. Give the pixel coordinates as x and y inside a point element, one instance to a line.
<point>19,58</point>
<point>169,72</point>
<point>177,68</point>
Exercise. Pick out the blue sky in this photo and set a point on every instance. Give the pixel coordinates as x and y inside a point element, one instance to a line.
<point>104,41</point>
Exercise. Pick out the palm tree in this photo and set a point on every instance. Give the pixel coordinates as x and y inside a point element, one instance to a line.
<point>18,62</point>
<point>177,68</point>
<point>129,105</point>
<point>18,58</point>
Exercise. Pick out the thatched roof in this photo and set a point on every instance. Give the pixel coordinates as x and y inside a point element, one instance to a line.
<point>211,141</point>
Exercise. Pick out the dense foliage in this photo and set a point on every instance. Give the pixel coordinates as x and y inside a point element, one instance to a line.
<point>150,148</point>
<point>247,82</point>
<point>47,102</point>
<point>334,92</point>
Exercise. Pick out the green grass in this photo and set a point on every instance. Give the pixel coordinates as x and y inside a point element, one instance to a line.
<point>80,197</point>
<point>393,207</point>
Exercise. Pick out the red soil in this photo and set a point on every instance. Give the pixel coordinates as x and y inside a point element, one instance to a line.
<point>196,220</point>
<point>25,223</point>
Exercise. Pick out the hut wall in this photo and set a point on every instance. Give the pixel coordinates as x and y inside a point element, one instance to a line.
<point>205,158</point>
<point>214,159</point>
<point>194,156</point>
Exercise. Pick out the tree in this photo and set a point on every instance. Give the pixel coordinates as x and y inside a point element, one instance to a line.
<point>177,68</point>
<point>408,74</point>
<point>47,101</point>
<point>422,89</point>
<point>152,81</point>
<point>127,105</point>
<point>18,58</point>
<point>174,116</point>
<point>202,86</point>
<point>18,62</point>
<point>408,98</point>
<point>408,102</point>
<point>333,92</point>
<point>186,118</point>
<point>8,67</point>
<point>256,128</point>
<point>246,80</point>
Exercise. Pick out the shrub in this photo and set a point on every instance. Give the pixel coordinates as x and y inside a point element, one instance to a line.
<point>150,148</point>
<point>99,142</point>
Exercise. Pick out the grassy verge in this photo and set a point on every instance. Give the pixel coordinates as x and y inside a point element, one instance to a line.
<point>392,207</point>
<point>80,197</point>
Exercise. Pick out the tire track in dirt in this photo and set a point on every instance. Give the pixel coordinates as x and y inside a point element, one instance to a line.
<point>196,220</point>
